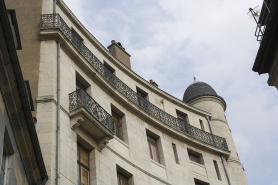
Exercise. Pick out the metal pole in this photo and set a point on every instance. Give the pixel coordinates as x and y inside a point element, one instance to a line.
<point>225,170</point>
<point>58,117</point>
<point>211,131</point>
<point>54,6</point>
<point>209,124</point>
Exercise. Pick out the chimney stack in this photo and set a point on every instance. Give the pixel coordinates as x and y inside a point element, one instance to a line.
<point>116,49</point>
<point>153,83</point>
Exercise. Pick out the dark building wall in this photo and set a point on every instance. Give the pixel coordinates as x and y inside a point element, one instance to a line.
<point>28,13</point>
<point>15,171</point>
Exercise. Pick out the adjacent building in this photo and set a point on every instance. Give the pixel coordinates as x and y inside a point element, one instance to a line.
<point>99,123</point>
<point>266,32</point>
<point>21,160</point>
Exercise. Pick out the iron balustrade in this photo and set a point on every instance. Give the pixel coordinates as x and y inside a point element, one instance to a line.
<point>261,23</point>
<point>81,98</point>
<point>51,21</point>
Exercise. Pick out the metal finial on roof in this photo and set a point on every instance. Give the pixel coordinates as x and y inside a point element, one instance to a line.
<point>194,78</point>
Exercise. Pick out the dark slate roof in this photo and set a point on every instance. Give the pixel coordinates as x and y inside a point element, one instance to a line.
<point>198,89</point>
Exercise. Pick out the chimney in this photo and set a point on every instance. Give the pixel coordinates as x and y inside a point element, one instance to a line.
<point>153,83</point>
<point>116,49</point>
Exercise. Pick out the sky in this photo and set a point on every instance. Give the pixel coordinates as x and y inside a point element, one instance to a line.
<point>169,41</point>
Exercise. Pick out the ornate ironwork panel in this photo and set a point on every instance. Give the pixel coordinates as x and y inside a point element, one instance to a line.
<point>80,98</point>
<point>50,21</point>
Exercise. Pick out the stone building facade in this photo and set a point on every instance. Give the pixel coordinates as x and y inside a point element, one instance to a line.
<point>99,123</point>
<point>21,160</point>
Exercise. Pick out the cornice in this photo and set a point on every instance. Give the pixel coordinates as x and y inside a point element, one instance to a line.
<point>208,98</point>
<point>123,67</point>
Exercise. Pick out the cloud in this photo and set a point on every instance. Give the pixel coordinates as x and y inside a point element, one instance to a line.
<point>170,40</point>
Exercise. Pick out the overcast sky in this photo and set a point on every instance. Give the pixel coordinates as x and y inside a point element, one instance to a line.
<point>169,41</point>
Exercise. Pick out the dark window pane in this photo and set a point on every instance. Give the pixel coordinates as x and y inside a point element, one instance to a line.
<point>118,131</point>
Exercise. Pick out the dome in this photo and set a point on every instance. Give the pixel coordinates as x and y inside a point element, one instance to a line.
<point>198,89</point>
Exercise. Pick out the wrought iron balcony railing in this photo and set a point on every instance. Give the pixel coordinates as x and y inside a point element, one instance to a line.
<point>261,22</point>
<point>80,98</point>
<point>50,21</point>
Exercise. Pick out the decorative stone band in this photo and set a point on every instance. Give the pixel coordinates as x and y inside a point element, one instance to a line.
<point>80,98</point>
<point>52,21</point>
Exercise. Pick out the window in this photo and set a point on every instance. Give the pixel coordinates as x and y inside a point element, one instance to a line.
<point>217,170</point>
<point>202,125</point>
<point>82,165</point>
<point>122,180</point>
<point>80,86</point>
<point>107,66</point>
<point>81,83</point>
<point>3,166</point>
<point>182,117</point>
<point>118,128</point>
<point>199,182</point>
<point>142,94</point>
<point>77,35</point>
<point>194,158</point>
<point>175,153</point>
<point>153,149</point>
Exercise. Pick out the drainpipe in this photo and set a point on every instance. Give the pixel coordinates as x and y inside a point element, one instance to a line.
<point>58,117</point>
<point>225,170</point>
<point>210,130</point>
<point>209,124</point>
<point>54,6</point>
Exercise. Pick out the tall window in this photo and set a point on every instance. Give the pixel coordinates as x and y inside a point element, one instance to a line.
<point>118,128</point>
<point>202,125</point>
<point>153,149</point>
<point>217,170</point>
<point>122,180</point>
<point>83,165</point>
<point>175,153</point>
<point>3,166</point>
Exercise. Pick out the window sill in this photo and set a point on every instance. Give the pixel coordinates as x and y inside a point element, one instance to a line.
<point>158,164</point>
<point>198,164</point>
<point>121,141</point>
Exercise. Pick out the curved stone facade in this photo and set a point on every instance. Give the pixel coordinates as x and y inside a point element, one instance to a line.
<point>151,139</point>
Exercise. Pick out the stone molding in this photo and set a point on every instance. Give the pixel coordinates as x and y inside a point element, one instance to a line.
<point>50,98</point>
<point>102,143</point>
<point>137,167</point>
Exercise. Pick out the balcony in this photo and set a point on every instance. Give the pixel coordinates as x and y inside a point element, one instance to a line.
<point>55,21</point>
<point>86,113</point>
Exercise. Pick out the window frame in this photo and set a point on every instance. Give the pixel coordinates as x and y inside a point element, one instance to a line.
<point>182,115</point>
<point>202,125</point>
<point>118,123</point>
<point>196,156</point>
<point>118,179</point>
<point>217,170</point>
<point>141,93</point>
<point>81,165</point>
<point>175,153</point>
<point>152,141</point>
